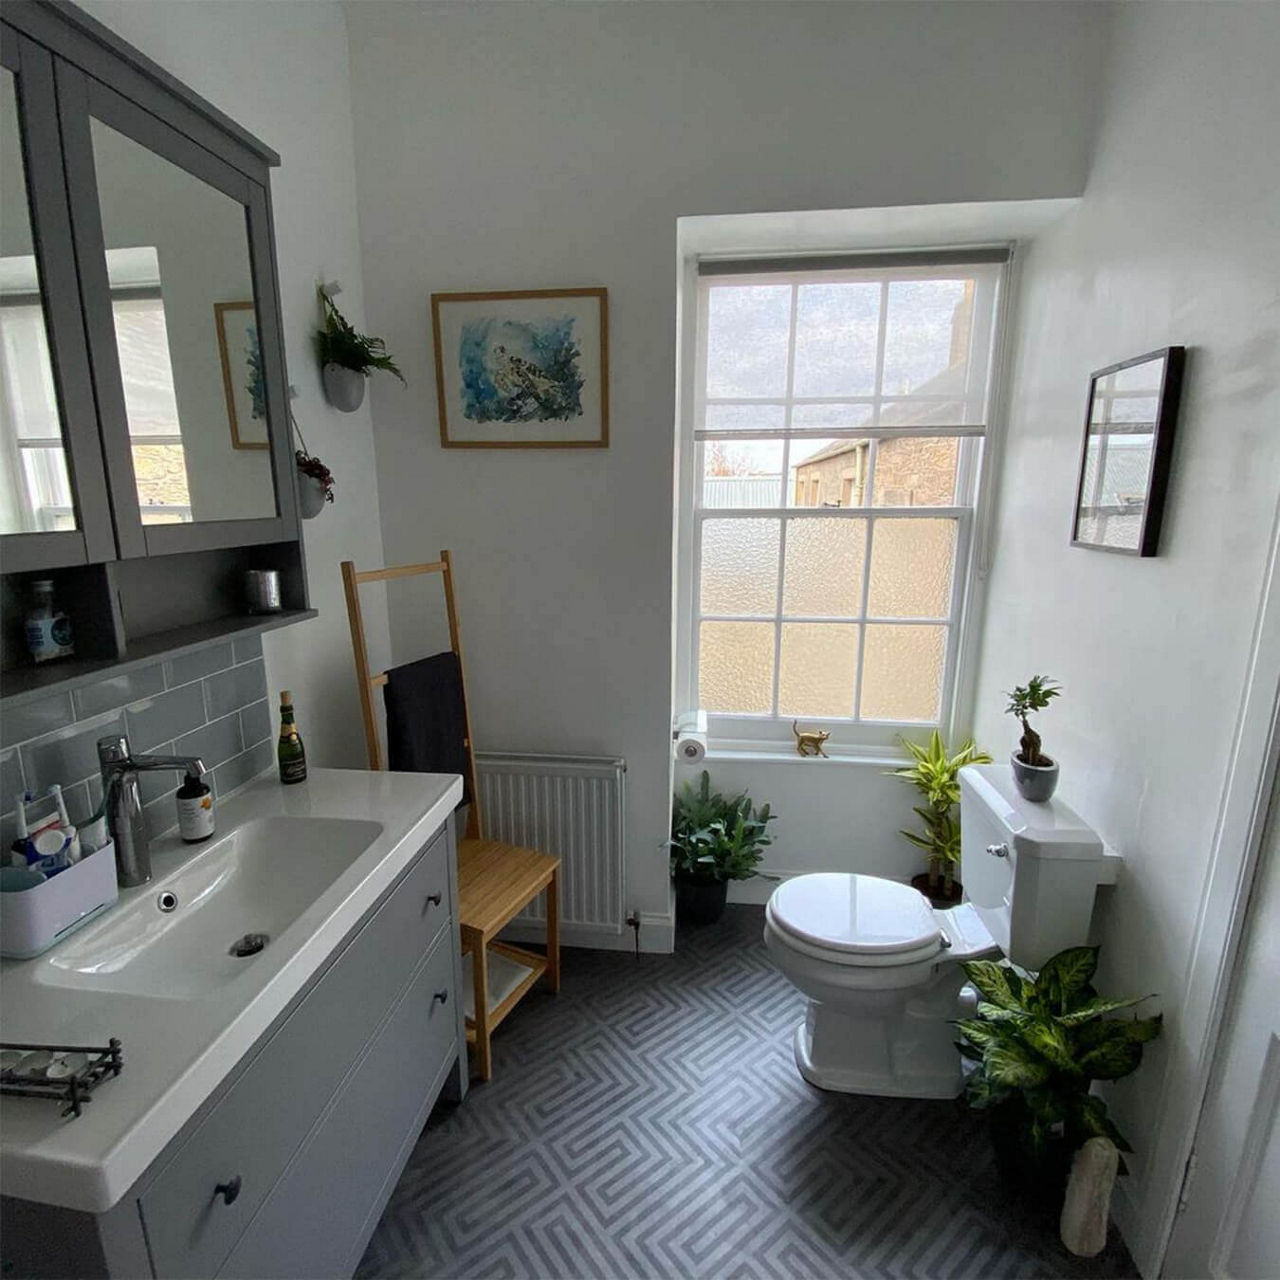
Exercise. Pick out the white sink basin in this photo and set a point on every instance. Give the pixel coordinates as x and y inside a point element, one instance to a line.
<point>257,880</point>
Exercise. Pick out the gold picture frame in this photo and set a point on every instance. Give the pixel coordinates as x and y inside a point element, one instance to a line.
<point>522,368</point>
<point>246,396</point>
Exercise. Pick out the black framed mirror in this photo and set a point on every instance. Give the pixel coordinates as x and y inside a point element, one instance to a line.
<point>1125,455</point>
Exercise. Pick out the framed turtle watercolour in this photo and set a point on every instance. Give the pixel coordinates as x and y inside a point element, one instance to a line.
<point>522,369</point>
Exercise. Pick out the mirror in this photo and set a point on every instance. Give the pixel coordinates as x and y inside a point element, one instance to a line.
<point>35,490</point>
<point>1128,436</point>
<point>187,335</point>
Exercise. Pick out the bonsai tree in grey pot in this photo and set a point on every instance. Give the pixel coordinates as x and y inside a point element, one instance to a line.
<point>713,840</point>
<point>1035,773</point>
<point>347,358</point>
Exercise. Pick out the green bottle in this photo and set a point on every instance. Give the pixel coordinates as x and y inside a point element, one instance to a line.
<point>290,753</point>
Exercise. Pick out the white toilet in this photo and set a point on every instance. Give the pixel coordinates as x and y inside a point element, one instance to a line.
<point>881,967</point>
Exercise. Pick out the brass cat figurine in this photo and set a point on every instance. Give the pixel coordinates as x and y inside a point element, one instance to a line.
<point>809,743</point>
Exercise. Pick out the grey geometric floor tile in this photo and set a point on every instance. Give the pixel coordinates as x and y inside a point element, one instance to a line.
<point>649,1122</point>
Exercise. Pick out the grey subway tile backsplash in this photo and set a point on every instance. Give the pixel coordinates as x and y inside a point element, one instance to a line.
<point>230,690</point>
<point>248,764</point>
<point>117,691</point>
<point>247,648</point>
<point>164,717</point>
<point>192,666</point>
<point>34,718</point>
<point>209,708</point>
<point>10,779</point>
<point>69,756</point>
<point>256,723</point>
<point>214,742</point>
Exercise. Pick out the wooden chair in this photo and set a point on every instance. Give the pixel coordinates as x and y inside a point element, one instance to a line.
<point>495,880</point>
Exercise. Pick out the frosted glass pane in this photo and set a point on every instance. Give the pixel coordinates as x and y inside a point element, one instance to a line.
<point>911,563</point>
<point>744,417</point>
<point>740,566</point>
<point>828,473</point>
<point>836,330</point>
<point>747,329</point>
<point>818,669</point>
<point>902,672</point>
<point>735,667</point>
<point>927,330</point>
<point>741,473</point>
<point>824,568</point>
<point>830,415</point>
<point>916,472</point>
<point>920,412</point>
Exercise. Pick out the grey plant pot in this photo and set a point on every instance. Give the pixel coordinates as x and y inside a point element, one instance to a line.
<point>310,496</point>
<point>343,387</point>
<point>1035,782</point>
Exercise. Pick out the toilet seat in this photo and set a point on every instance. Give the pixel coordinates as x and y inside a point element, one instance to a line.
<point>858,920</point>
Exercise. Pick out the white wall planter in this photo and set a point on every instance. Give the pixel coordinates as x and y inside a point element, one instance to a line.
<point>343,387</point>
<point>310,496</point>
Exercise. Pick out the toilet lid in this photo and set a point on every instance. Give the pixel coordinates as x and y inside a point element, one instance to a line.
<point>862,915</point>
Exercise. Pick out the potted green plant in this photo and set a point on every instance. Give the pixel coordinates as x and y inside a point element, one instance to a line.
<point>347,358</point>
<point>315,484</point>
<point>933,772</point>
<point>713,840</point>
<point>1037,1044</point>
<point>1034,773</point>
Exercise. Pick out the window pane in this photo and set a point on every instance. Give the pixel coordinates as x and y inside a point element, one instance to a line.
<point>160,471</point>
<point>836,330</point>
<point>142,340</point>
<point>902,672</point>
<point>740,566</point>
<point>926,413</point>
<point>48,488</point>
<point>747,329</point>
<point>831,415</point>
<point>745,473</point>
<point>735,667</point>
<point>744,417</point>
<point>916,472</point>
<point>911,568</point>
<point>827,473</point>
<point>819,668</point>
<point>927,327</point>
<point>824,568</point>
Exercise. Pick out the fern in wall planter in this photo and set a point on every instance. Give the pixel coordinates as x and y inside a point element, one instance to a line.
<point>347,357</point>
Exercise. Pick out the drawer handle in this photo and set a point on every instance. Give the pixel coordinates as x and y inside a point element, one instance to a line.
<point>229,1191</point>
<point>442,996</point>
<point>434,899</point>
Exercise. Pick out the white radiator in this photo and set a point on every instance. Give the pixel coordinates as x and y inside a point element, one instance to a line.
<point>571,806</point>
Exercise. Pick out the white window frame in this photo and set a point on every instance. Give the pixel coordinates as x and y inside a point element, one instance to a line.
<point>851,737</point>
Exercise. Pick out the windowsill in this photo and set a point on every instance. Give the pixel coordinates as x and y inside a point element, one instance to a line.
<point>772,754</point>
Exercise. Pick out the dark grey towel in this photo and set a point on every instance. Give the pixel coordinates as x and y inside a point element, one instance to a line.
<point>426,718</point>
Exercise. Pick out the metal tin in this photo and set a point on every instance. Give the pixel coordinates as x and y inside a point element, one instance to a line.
<point>262,590</point>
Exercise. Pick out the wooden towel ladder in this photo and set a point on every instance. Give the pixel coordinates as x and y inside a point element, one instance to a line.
<point>495,880</point>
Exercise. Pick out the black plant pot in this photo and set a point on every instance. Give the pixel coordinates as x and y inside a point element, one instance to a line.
<point>700,901</point>
<point>1037,1179</point>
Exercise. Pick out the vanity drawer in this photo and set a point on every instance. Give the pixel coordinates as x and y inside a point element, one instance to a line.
<point>253,1131</point>
<point>340,1178</point>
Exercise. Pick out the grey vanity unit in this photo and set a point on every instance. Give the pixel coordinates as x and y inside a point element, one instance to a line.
<point>285,1171</point>
<point>145,453</point>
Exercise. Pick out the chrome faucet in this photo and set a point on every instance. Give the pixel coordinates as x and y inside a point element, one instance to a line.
<point>125,819</point>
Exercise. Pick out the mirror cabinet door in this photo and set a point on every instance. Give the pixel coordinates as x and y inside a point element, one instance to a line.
<point>193,378</point>
<point>53,508</point>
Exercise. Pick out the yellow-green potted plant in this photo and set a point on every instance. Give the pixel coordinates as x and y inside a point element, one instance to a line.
<point>933,772</point>
<point>347,358</point>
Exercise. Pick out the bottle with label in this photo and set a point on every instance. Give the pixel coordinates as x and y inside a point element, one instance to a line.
<point>290,753</point>
<point>195,810</point>
<point>48,629</point>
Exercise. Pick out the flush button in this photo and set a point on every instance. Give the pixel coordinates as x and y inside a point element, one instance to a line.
<point>998,850</point>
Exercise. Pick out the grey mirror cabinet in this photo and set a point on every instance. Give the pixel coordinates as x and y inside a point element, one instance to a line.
<point>145,451</point>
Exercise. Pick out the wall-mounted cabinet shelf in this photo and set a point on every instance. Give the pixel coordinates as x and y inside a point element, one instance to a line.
<point>145,449</point>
